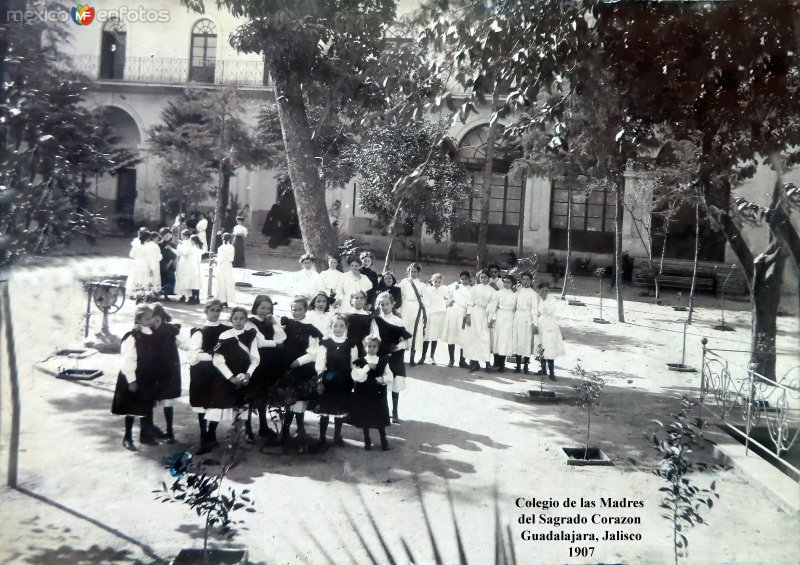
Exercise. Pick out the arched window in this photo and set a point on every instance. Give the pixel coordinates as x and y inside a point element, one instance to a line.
<point>585,214</point>
<point>507,192</point>
<point>112,50</point>
<point>203,51</point>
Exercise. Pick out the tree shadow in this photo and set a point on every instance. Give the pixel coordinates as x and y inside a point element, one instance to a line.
<point>600,340</point>
<point>92,556</point>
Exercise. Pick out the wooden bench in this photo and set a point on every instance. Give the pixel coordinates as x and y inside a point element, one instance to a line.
<point>682,281</point>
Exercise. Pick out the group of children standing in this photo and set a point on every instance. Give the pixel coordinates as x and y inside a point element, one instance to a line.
<point>162,267</point>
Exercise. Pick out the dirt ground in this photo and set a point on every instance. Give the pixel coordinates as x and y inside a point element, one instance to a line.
<point>84,499</point>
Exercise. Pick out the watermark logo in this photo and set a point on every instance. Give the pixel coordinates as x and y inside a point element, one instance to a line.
<point>83,15</point>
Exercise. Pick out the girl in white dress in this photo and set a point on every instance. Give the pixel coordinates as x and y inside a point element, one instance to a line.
<point>549,335</point>
<point>501,320</point>
<point>524,318</point>
<point>319,315</point>
<point>225,283</point>
<point>455,328</point>
<point>183,270</point>
<point>439,296</point>
<point>202,229</point>
<point>331,279</point>
<point>479,347</point>
<point>195,260</point>
<point>306,281</point>
<point>139,277</point>
<point>413,312</point>
<point>154,262</point>
<point>352,282</point>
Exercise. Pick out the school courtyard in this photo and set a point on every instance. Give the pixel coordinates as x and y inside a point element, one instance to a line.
<point>474,439</point>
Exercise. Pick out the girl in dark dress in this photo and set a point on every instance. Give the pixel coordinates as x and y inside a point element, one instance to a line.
<point>136,385</point>
<point>388,283</point>
<point>239,233</point>
<point>358,321</point>
<point>372,377</point>
<point>367,259</point>
<point>204,376</point>
<point>168,378</point>
<point>299,357</point>
<point>270,337</point>
<point>334,365</point>
<point>390,328</point>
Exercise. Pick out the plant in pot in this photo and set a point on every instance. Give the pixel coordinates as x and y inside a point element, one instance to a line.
<point>588,388</point>
<point>541,395</point>
<point>204,493</point>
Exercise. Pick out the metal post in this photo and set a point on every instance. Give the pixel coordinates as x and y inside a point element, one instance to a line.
<point>13,443</point>
<point>749,408</point>
<point>88,310</point>
<point>704,341</point>
<point>683,353</point>
<point>600,280</point>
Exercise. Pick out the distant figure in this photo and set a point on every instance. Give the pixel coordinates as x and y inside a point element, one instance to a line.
<point>239,233</point>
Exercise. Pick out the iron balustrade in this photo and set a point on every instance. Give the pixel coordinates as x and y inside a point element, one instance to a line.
<point>743,398</point>
<point>156,70</point>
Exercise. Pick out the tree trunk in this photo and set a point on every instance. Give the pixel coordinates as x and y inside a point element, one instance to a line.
<point>391,233</point>
<point>483,227</point>
<point>767,279</point>
<point>620,195</point>
<point>569,239</point>
<point>309,191</point>
<point>696,258</point>
<point>782,227</point>
<point>218,205</point>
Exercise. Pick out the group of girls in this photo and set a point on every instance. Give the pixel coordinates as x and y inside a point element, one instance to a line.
<point>339,365</point>
<point>493,319</point>
<point>490,321</point>
<point>147,253</point>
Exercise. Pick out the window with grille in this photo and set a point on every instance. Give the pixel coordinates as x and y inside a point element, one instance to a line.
<point>592,216</point>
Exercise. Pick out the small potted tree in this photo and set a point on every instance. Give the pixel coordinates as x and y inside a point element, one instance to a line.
<point>541,395</point>
<point>204,493</point>
<point>588,388</point>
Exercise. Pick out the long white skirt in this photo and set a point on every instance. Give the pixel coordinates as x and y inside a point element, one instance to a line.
<point>139,277</point>
<point>502,333</point>
<point>225,284</point>
<point>408,313</point>
<point>550,338</point>
<point>435,330</point>
<point>453,322</point>
<point>478,343</point>
<point>523,334</point>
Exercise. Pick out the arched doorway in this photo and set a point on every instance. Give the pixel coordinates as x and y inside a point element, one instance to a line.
<point>506,197</point>
<point>112,50</point>
<point>127,132</point>
<point>203,52</point>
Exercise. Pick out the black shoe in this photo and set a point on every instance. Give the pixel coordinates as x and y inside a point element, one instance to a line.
<point>170,437</point>
<point>159,433</point>
<point>338,440</point>
<point>500,369</point>
<point>395,418</point>
<point>517,370</point>
<point>464,365</point>
<point>128,444</point>
<point>552,377</point>
<point>368,445</point>
<point>525,370</point>
<point>412,364</point>
<point>451,363</point>
<point>322,443</point>
<point>490,370</point>
<point>182,299</point>
<point>385,445</point>
<point>148,440</point>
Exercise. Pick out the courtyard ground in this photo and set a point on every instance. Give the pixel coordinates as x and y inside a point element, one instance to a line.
<point>84,499</point>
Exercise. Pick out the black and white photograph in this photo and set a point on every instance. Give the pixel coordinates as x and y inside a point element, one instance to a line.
<point>509,282</point>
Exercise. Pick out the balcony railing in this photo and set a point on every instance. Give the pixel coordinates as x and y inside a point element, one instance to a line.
<point>154,70</point>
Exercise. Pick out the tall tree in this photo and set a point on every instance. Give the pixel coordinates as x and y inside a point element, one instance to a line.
<point>314,49</point>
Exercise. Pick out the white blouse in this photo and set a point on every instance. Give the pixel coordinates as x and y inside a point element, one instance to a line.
<point>129,359</point>
<point>438,298</point>
<point>360,373</point>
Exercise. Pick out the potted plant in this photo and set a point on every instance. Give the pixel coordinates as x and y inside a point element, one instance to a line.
<point>588,388</point>
<point>204,493</point>
<point>541,395</point>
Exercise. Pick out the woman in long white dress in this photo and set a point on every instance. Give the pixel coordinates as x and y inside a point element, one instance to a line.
<point>194,258</point>
<point>438,297</point>
<point>455,330</point>
<point>352,282</point>
<point>331,280</point>
<point>549,332</point>
<point>225,284</point>
<point>524,317</point>
<point>183,270</point>
<point>154,262</point>
<point>139,277</point>
<point>479,346</point>
<point>413,292</point>
<point>501,321</point>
